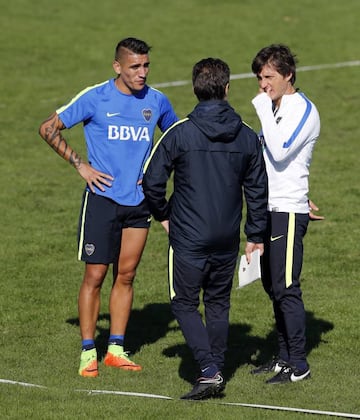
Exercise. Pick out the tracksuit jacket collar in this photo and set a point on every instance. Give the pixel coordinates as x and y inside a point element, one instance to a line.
<point>217,120</point>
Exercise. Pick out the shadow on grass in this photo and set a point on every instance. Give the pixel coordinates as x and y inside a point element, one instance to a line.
<point>145,326</point>
<point>242,347</point>
<point>315,328</point>
<point>151,323</point>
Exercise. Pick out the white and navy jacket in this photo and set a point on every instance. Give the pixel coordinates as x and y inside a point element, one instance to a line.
<point>289,138</point>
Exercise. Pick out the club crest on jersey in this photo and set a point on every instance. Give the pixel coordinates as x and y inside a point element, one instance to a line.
<point>89,249</point>
<point>147,114</point>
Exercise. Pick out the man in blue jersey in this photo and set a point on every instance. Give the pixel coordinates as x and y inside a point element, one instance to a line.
<point>119,117</point>
<point>290,127</point>
<point>216,158</point>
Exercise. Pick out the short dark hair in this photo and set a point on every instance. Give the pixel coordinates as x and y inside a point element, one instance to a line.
<point>210,77</point>
<point>134,45</point>
<point>280,57</point>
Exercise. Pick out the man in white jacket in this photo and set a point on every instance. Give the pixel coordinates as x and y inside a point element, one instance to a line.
<point>290,127</point>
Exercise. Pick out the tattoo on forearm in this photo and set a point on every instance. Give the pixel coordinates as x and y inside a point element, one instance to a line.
<point>75,160</point>
<point>55,139</point>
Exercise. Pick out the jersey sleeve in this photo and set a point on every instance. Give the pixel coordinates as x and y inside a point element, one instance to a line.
<point>79,109</point>
<point>167,114</point>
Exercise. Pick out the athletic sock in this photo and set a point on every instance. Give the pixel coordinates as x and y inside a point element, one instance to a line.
<point>118,340</point>
<point>87,345</point>
<point>302,366</point>
<point>209,371</point>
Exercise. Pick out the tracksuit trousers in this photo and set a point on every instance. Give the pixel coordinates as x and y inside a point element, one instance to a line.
<point>207,339</point>
<point>281,268</point>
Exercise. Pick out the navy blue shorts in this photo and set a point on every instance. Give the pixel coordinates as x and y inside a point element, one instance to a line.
<point>100,225</point>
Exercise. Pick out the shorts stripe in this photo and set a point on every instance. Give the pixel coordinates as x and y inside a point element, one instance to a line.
<point>171,273</point>
<point>290,250</point>
<point>81,240</point>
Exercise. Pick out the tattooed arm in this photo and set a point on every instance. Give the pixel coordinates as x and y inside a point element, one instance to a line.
<point>50,131</point>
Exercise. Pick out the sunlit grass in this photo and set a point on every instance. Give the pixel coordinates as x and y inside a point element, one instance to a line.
<point>52,50</point>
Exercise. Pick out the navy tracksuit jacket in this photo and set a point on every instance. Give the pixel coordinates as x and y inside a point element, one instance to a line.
<point>216,158</point>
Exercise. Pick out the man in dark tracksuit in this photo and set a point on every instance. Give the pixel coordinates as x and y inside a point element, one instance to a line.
<point>215,158</point>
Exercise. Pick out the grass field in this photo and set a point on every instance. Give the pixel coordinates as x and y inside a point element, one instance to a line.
<point>50,51</point>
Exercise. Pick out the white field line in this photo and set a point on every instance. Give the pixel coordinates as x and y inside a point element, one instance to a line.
<point>250,75</point>
<point>164,397</point>
<point>130,394</point>
<point>239,76</point>
<point>298,410</point>
<point>7,381</point>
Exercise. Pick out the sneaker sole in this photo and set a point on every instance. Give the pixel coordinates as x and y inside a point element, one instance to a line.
<point>206,393</point>
<point>90,371</point>
<point>89,374</point>
<point>292,379</point>
<point>113,361</point>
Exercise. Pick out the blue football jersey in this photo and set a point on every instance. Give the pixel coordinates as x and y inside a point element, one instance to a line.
<point>119,132</point>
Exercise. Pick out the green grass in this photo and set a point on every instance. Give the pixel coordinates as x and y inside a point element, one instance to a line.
<point>49,51</point>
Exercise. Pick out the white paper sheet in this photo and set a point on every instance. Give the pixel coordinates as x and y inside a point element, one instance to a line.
<point>248,273</point>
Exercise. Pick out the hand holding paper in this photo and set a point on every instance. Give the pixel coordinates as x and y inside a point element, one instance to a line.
<point>248,273</point>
